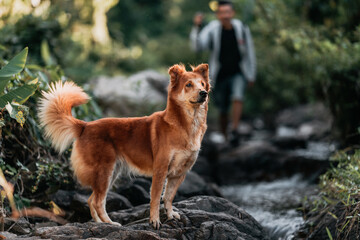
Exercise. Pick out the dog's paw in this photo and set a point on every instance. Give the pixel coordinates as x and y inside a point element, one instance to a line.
<point>155,223</point>
<point>172,214</point>
<point>116,223</point>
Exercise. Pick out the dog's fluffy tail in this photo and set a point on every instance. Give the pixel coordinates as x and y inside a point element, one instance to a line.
<point>55,113</point>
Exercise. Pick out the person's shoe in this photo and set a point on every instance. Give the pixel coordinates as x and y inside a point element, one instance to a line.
<point>234,138</point>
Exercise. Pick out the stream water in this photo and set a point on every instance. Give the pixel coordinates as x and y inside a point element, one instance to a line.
<point>275,205</point>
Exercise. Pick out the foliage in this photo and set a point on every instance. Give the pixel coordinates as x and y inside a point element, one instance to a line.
<point>13,90</point>
<point>300,61</point>
<point>340,186</point>
<point>342,180</point>
<point>25,156</point>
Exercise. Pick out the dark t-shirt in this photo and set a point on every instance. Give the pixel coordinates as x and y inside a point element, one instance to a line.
<point>229,54</point>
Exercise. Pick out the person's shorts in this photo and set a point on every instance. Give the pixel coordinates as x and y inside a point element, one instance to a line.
<point>228,89</point>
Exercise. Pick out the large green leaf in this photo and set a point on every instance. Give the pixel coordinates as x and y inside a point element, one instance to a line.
<point>20,94</point>
<point>14,66</point>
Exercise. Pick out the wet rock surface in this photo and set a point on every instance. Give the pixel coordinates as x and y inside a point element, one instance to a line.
<point>202,217</point>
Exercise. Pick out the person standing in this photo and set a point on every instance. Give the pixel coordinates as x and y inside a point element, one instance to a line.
<point>232,62</point>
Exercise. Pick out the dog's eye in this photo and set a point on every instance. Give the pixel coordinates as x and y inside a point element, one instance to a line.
<point>203,84</point>
<point>188,85</point>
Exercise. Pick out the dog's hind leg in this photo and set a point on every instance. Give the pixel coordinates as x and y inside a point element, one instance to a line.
<point>102,171</point>
<point>100,189</point>
<point>172,186</point>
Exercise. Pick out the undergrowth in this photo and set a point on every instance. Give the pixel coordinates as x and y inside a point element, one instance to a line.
<point>340,194</point>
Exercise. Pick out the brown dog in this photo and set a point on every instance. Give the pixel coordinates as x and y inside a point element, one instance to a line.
<point>164,145</point>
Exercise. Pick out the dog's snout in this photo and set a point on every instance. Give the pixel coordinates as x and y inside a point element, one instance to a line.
<point>203,93</point>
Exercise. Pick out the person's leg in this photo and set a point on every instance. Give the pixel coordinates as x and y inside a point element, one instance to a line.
<point>237,95</point>
<point>223,122</point>
<point>222,94</point>
<point>237,108</point>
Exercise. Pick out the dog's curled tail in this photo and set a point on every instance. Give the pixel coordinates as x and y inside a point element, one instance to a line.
<point>54,111</point>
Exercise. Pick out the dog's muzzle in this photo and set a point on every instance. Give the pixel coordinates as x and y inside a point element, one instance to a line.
<point>202,96</point>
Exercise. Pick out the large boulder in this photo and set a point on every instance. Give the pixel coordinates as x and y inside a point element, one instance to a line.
<point>297,125</point>
<point>202,217</point>
<point>262,161</point>
<point>295,117</point>
<point>141,93</point>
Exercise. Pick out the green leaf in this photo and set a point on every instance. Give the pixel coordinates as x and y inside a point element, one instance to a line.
<point>20,94</point>
<point>34,67</point>
<point>43,77</point>
<point>14,66</point>
<point>17,112</point>
<point>45,54</point>
<point>333,215</point>
<point>329,234</point>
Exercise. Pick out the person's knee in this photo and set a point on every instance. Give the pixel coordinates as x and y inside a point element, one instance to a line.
<point>237,101</point>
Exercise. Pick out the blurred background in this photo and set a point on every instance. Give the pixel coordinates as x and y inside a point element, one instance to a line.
<point>304,107</point>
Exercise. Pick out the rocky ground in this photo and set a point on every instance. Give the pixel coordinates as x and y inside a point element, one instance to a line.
<point>202,217</point>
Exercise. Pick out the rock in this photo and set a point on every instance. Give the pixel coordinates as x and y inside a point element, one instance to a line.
<point>202,217</point>
<point>192,185</point>
<point>261,161</point>
<point>116,202</point>
<point>45,224</point>
<point>7,235</point>
<point>20,226</point>
<point>143,182</point>
<point>245,129</point>
<point>136,94</point>
<point>302,123</point>
<point>203,168</point>
<point>294,117</point>
<point>137,190</point>
<point>290,138</point>
<point>314,130</point>
<point>77,203</point>
<point>206,163</point>
<point>289,142</point>
<point>136,194</point>
<point>195,185</point>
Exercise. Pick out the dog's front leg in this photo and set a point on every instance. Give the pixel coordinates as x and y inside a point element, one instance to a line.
<point>171,188</point>
<point>157,185</point>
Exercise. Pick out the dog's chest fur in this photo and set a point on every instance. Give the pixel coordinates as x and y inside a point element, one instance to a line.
<point>183,159</point>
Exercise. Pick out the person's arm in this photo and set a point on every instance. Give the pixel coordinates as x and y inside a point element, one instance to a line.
<point>251,59</point>
<point>199,40</point>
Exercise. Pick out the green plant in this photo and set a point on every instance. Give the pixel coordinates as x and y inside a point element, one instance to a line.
<point>26,158</point>
<point>342,180</point>
<point>15,89</point>
<point>340,193</point>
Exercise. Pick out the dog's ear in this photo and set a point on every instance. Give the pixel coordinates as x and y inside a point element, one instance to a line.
<point>203,70</point>
<point>175,72</point>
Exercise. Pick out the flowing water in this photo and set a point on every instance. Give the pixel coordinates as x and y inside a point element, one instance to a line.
<point>275,205</point>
